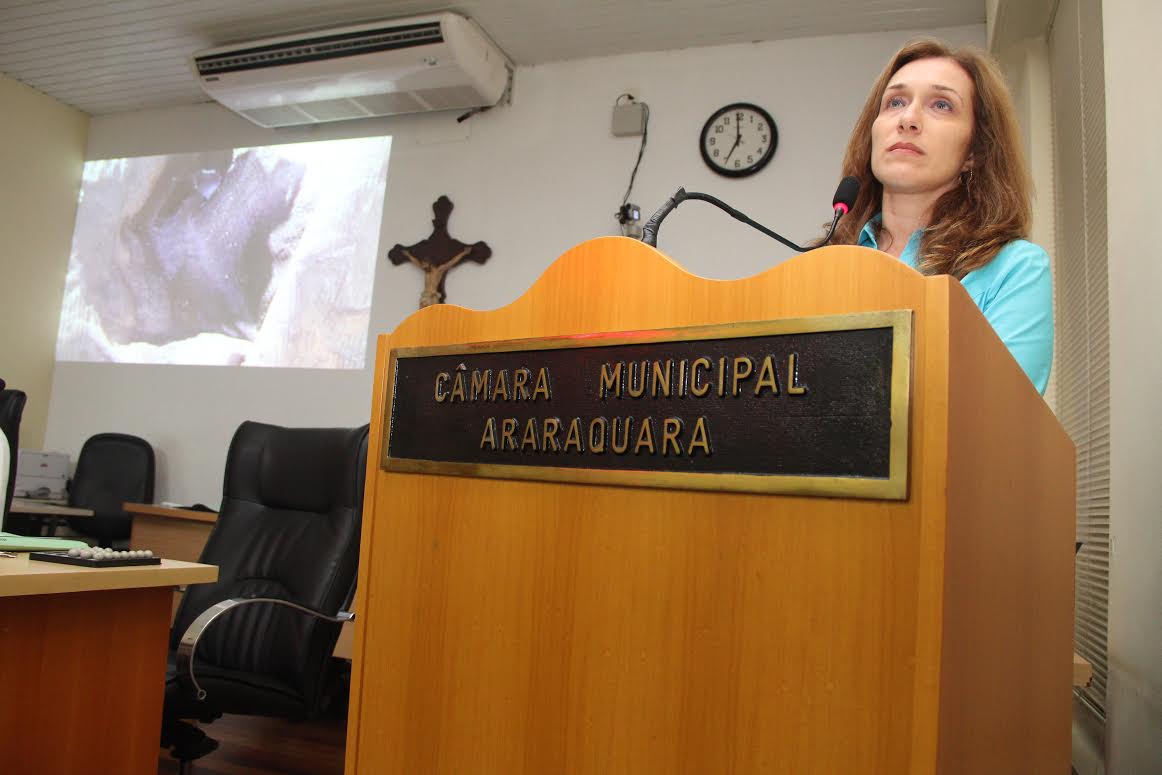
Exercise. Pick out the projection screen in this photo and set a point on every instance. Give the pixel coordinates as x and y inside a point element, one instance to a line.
<point>250,256</point>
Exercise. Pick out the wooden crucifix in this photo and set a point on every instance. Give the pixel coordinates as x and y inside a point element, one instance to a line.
<point>437,254</point>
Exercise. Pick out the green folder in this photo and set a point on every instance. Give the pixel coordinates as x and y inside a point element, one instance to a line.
<point>14,543</point>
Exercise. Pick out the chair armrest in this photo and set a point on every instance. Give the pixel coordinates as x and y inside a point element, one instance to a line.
<point>189,642</point>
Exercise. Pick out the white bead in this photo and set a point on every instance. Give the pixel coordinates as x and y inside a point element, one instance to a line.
<point>74,552</point>
<point>86,554</point>
<point>149,553</point>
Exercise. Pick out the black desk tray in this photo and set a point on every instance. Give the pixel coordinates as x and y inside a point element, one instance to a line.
<point>116,562</point>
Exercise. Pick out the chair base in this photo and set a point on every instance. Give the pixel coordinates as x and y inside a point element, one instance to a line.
<point>186,742</point>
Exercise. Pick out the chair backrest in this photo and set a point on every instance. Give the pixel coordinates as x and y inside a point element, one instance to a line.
<point>288,527</point>
<point>11,409</point>
<point>112,468</point>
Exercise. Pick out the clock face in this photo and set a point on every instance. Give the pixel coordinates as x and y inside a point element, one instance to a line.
<point>739,140</point>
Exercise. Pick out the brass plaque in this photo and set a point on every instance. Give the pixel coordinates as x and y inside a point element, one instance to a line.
<point>812,406</point>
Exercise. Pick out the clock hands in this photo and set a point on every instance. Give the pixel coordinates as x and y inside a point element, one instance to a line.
<point>736,142</point>
<point>737,136</point>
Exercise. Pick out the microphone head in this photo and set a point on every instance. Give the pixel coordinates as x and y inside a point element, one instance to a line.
<point>845,194</point>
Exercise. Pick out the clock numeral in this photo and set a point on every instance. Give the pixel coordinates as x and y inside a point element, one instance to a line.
<point>762,127</point>
<point>737,164</point>
<point>749,159</point>
<point>718,129</point>
<point>759,151</point>
<point>764,137</point>
<point>752,118</point>
<point>726,120</point>
<point>715,153</point>
<point>711,141</point>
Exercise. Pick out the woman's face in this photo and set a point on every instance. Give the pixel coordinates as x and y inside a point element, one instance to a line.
<point>921,137</point>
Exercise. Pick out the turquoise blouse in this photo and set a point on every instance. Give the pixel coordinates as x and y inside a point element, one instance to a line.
<point>1015,293</point>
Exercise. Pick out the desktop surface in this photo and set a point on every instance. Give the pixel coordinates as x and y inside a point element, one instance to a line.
<point>21,575</point>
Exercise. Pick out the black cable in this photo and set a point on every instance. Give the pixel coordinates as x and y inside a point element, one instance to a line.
<point>650,232</point>
<point>483,109</point>
<point>641,150</point>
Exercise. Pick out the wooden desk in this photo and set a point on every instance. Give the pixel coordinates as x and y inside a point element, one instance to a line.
<point>36,508</point>
<point>181,534</point>
<point>82,664</point>
<point>47,512</point>
<point>178,534</point>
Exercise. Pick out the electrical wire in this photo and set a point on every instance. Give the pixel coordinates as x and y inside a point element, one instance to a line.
<point>641,149</point>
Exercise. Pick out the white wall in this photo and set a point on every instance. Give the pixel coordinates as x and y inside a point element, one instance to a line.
<point>1134,165</point>
<point>42,143</point>
<point>531,179</point>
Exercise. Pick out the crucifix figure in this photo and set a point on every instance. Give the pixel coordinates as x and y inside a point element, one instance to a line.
<point>438,254</point>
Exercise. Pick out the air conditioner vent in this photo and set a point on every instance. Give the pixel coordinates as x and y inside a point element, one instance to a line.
<point>326,47</point>
<point>446,98</point>
<point>390,104</point>
<point>333,110</point>
<point>276,116</point>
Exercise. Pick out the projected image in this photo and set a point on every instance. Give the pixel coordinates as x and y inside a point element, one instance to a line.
<point>252,256</point>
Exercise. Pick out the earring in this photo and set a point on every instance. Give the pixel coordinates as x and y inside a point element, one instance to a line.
<point>966,178</point>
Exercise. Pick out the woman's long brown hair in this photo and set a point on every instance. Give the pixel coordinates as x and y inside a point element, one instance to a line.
<point>990,207</point>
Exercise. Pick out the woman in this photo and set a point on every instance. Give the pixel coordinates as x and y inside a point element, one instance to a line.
<point>944,188</point>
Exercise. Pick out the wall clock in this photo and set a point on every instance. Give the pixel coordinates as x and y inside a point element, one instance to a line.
<point>739,140</point>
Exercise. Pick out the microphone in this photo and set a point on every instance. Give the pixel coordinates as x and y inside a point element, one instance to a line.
<point>845,194</point>
<point>841,203</point>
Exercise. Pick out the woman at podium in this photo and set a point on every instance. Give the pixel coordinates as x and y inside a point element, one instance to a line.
<point>944,188</point>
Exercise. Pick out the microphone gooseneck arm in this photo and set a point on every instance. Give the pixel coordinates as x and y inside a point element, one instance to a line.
<point>650,230</point>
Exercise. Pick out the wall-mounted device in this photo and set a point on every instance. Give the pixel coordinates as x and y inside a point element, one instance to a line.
<point>629,216</point>
<point>629,119</point>
<point>437,62</point>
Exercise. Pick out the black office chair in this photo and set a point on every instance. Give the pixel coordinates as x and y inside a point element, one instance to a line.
<point>11,409</point>
<point>286,544</point>
<point>112,468</point>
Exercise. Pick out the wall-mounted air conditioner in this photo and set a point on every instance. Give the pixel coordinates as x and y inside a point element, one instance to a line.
<point>437,62</point>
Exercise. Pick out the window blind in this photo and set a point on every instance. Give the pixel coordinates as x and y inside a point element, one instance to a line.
<point>1082,301</point>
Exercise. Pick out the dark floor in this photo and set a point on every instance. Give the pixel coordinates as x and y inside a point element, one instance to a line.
<point>264,746</point>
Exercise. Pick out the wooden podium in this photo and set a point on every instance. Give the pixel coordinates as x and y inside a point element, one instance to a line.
<point>590,626</point>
